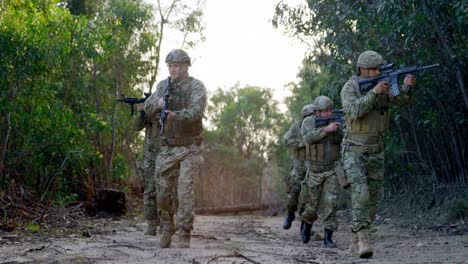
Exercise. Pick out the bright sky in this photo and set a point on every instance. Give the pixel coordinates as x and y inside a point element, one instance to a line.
<point>242,47</point>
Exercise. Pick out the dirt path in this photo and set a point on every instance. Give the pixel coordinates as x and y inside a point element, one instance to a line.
<point>231,239</point>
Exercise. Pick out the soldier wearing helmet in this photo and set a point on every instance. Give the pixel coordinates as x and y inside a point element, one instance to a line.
<point>322,143</point>
<point>180,156</point>
<point>293,140</point>
<point>367,119</point>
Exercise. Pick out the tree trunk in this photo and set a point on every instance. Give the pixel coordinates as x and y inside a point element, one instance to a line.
<point>117,95</point>
<point>99,136</point>
<point>450,57</point>
<point>4,145</point>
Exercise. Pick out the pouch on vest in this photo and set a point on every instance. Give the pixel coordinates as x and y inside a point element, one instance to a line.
<point>304,194</point>
<point>341,175</point>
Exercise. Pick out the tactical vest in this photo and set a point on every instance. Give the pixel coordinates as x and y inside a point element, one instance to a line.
<point>325,151</point>
<point>370,128</point>
<point>299,153</point>
<point>152,129</point>
<point>182,132</point>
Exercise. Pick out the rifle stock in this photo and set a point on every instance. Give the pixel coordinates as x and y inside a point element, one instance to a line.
<point>167,94</point>
<point>338,116</point>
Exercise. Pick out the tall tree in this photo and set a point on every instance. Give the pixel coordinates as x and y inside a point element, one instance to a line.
<point>184,18</point>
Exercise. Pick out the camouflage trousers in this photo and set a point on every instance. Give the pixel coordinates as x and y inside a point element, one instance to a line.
<point>322,190</point>
<point>296,176</point>
<point>365,174</point>
<point>176,168</point>
<point>150,205</point>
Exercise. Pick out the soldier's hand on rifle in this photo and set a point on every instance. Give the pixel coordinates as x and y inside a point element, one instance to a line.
<point>332,127</point>
<point>381,87</point>
<point>139,107</point>
<point>409,82</point>
<point>170,115</point>
<point>161,102</point>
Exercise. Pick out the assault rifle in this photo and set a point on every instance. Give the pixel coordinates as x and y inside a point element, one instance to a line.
<point>388,73</point>
<point>338,116</point>
<point>167,94</point>
<point>132,101</point>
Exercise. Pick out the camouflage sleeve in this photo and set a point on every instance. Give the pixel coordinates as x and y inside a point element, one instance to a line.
<point>151,106</point>
<point>293,137</point>
<point>309,132</point>
<point>197,105</point>
<point>140,121</point>
<point>356,106</point>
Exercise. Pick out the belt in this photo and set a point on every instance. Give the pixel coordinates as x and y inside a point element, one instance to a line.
<point>182,141</point>
<point>370,149</point>
<point>321,167</point>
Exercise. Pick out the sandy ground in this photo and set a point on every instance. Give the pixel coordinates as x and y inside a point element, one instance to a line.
<point>231,239</point>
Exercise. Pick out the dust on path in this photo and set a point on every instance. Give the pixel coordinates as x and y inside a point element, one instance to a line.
<point>230,239</point>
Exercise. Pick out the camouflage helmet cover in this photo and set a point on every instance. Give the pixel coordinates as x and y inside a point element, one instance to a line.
<point>322,103</point>
<point>177,56</point>
<point>369,59</point>
<point>307,110</point>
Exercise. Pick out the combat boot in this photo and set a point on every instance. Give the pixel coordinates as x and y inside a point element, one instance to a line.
<point>327,239</point>
<point>289,219</point>
<point>316,236</point>
<point>165,240</point>
<point>364,248</point>
<point>353,248</point>
<point>306,230</point>
<point>183,240</point>
<point>151,229</point>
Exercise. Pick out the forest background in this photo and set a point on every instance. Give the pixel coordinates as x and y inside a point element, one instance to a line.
<point>63,64</point>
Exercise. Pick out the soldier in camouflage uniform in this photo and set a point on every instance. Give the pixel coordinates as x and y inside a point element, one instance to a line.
<point>367,119</point>
<point>180,156</point>
<point>322,151</point>
<point>151,150</point>
<point>293,140</point>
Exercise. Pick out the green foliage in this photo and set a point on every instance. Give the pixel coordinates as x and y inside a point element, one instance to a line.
<point>247,118</point>
<point>59,76</point>
<point>240,143</point>
<point>62,198</point>
<point>459,209</point>
<point>33,227</point>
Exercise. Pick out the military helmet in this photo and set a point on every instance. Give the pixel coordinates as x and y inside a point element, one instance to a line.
<point>307,110</point>
<point>322,103</point>
<point>177,56</point>
<point>369,59</point>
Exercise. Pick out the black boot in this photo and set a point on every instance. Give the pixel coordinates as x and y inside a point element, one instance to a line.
<point>306,230</point>
<point>327,239</point>
<point>288,220</point>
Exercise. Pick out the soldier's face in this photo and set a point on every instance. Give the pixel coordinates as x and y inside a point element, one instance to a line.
<point>325,113</point>
<point>369,72</point>
<point>177,70</point>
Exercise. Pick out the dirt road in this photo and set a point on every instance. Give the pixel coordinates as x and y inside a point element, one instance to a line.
<point>230,239</point>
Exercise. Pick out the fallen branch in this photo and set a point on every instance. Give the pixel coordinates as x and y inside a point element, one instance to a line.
<point>126,245</point>
<point>305,261</point>
<point>204,237</point>
<point>234,254</point>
